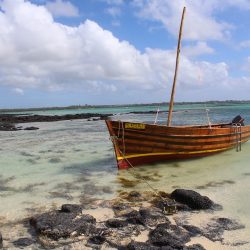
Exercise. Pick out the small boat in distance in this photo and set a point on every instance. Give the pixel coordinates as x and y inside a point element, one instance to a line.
<point>140,143</point>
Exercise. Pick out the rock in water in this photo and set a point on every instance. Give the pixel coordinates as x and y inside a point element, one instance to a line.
<point>229,224</point>
<point>192,199</point>
<point>31,128</point>
<point>71,208</point>
<point>8,127</point>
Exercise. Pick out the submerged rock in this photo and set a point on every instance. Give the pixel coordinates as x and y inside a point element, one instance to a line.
<point>71,208</point>
<point>228,224</point>
<point>192,199</point>
<point>214,231</point>
<point>31,128</point>
<point>8,127</point>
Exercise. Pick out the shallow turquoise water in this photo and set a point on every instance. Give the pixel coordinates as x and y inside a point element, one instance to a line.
<point>73,161</point>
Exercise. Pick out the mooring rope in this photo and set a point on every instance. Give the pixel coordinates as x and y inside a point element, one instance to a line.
<point>140,178</point>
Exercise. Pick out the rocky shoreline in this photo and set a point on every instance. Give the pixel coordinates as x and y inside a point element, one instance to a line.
<point>8,121</point>
<point>133,221</point>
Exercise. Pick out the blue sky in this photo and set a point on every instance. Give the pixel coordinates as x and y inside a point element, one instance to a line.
<point>70,52</point>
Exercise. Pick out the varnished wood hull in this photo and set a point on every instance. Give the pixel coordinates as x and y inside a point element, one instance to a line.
<point>138,143</point>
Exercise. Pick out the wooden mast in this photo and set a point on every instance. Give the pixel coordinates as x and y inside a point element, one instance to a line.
<point>171,104</point>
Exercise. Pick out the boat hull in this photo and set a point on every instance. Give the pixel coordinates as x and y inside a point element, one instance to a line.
<point>138,143</point>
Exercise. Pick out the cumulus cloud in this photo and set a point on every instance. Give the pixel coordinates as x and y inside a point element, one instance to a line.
<point>37,52</point>
<point>60,8</point>
<point>200,20</point>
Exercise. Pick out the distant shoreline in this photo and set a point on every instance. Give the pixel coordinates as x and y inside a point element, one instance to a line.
<point>86,106</point>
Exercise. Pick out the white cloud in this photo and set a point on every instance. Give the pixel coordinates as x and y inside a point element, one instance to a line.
<point>114,11</point>
<point>245,44</point>
<point>60,8</point>
<point>200,21</point>
<point>18,91</point>
<point>37,52</point>
<point>114,2</point>
<point>200,48</point>
<point>116,23</point>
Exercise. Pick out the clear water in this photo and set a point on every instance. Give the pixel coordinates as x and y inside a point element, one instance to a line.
<point>73,161</point>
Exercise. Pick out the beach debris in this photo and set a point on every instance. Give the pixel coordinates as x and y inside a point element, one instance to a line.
<point>192,199</point>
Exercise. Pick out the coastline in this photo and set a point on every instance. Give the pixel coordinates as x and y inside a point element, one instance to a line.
<point>68,161</point>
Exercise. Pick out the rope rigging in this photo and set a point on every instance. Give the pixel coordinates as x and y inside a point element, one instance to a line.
<point>169,206</point>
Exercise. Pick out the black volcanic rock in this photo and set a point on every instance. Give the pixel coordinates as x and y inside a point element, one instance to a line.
<point>193,230</point>
<point>153,216</point>
<point>71,208</point>
<point>63,224</point>
<point>215,230</point>
<point>4,126</point>
<point>134,217</point>
<point>31,128</point>
<point>116,223</point>
<point>96,239</point>
<point>23,242</point>
<point>12,119</point>
<point>169,235</point>
<point>192,199</point>
<point>228,224</point>
<point>194,247</point>
<point>1,241</point>
<point>134,245</point>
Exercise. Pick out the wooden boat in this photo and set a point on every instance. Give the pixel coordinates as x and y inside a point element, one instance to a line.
<point>140,143</point>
